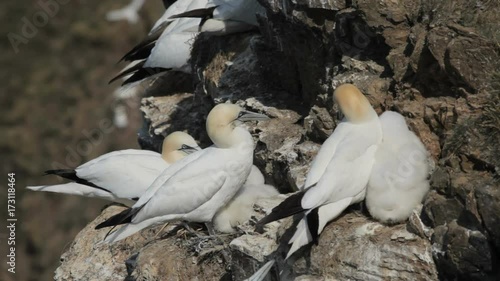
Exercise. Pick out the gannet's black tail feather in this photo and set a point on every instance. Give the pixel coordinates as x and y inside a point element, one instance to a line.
<point>123,217</point>
<point>313,224</point>
<point>291,206</point>
<point>71,175</point>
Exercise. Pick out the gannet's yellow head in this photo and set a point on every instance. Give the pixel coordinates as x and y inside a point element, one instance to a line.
<point>223,119</point>
<point>353,104</point>
<point>177,145</point>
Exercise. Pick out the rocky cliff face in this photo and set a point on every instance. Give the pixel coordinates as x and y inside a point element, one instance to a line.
<point>435,62</point>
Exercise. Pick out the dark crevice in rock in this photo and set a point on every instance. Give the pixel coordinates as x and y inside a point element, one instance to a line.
<point>131,263</point>
<point>355,38</point>
<point>436,80</point>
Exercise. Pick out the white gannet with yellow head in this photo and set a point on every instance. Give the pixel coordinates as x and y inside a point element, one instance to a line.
<point>399,178</point>
<point>339,173</point>
<point>122,176</point>
<point>239,209</point>
<point>196,187</point>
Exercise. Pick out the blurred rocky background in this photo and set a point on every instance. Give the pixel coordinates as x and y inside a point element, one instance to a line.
<point>55,101</point>
<point>436,62</point>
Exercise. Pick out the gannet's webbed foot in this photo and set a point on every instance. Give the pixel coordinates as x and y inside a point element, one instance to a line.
<point>211,232</point>
<point>210,228</point>
<point>190,230</point>
<point>240,231</point>
<point>181,229</point>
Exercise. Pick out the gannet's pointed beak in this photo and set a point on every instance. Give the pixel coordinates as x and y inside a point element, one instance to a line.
<point>245,116</point>
<point>188,149</point>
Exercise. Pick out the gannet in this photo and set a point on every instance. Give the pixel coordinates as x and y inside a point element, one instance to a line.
<point>339,174</point>
<point>167,46</point>
<point>196,187</point>
<point>221,17</point>
<point>143,48</point>
<point>239,209</point>
<point>398,181</point>
<point>122,176</point>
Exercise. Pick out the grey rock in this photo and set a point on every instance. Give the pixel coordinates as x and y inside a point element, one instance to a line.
<point>488,197</point>
<point>464,252</point>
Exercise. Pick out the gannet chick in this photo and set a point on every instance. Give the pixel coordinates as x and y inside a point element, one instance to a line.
<point>240,208</point>
<point>255,177</point>
<point>122,176</point>
<point>222,17</point>
<point>196,187</point>
<point>398,181</point>
<point>339,173</point>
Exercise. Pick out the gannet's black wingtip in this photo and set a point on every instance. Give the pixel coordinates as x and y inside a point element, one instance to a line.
<point>120,218</point>
<point>131,70</point>
<point>123,217</point>
<point>144,73</point>
<point>313,224</point>
<point>290,206</point>
<point>70,174</point>
<point>61,172</point>
<point>143,49</point>
<point>196,13</point>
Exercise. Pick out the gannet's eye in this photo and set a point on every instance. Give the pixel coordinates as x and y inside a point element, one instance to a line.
<point>184,147</point>
<point>241,114</point>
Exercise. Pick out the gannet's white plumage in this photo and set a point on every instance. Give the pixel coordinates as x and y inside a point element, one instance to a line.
<point>167,46</point>
<point>196,187</point>
<point>398,181</point>
<point>237,10</point>
<point>177,7</point>
<point>173,48</point>
<point>339,174</point>
<point>122,176</point>
<point>227,16</point>
<point>239,209</point>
